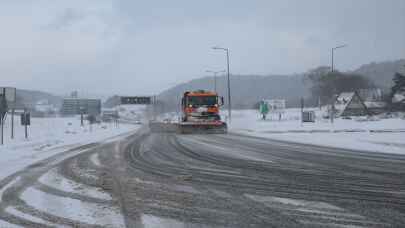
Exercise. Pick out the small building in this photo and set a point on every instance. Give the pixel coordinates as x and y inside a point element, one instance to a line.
<point>44,106</point>
<point>371,94</point>
<point>373,99</point>
<point>350,104</point>
<point>76,106</point>
<point>276,105</point>
<point>398,101</point>
<point>376,107</point>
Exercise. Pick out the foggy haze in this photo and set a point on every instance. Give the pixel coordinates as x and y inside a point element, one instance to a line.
<point>134,47</point>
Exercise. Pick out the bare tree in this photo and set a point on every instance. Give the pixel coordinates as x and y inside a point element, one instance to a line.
<point>325,84</point>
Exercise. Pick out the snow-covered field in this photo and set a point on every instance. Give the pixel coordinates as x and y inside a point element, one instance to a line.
<point>378,135</point>
<point>50,136</point>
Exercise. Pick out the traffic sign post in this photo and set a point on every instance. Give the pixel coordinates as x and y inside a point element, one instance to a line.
<point>154,111</point>
<point>2,130</point>
<point>3,106</point>
<point>10,94</point>
<point>82,116</point>
<point>12,123</point>
<point>302,110</point>
<point>3,112</point>
<point>26,121</point>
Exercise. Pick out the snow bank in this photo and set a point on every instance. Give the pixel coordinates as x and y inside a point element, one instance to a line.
<point>91,213</point>
<point>359,133</point>
<point>49,136</point>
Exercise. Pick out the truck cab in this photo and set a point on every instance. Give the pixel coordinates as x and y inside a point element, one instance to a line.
<point>201,106</point>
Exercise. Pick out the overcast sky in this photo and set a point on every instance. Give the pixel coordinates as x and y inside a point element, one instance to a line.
<point>142,47</point>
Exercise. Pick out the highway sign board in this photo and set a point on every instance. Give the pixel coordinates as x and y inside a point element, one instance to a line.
<point>276,105</point>
<point>3,106</point>
<point>136,100</point>
<point>10,93</point>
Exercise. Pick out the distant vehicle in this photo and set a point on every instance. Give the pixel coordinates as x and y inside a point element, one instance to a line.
<point>138,122</point>
<point>200,113</point>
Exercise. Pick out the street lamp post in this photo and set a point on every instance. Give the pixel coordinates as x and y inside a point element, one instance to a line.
<point>215,77</point>
<point>333,49</point>
<point>228,78</point>
<point>332,112</point>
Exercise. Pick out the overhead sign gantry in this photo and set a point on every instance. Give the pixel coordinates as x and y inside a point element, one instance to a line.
<point>136,100</point>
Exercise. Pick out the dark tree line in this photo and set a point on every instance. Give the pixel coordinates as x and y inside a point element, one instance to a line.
<point>397,95</point>
<point>325,84</point>
<point>399,84</point>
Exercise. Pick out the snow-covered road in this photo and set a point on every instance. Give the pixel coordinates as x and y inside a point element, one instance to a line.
<point>70,176</point>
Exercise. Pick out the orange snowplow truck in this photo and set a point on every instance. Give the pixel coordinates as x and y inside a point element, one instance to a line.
<point>200,113</point>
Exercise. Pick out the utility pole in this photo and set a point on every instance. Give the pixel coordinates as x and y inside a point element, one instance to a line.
<point>154,107</point>
<point>333,49</point>
<point>332,108</point>
<point>81,116</point>
<point>229,86</point>
<point>12,114</point>
<point>229,80</point>
<point>302,110</point>
<point>2,130</point>
<point>12,122</point>
<point>26,121</point>
<point>26,127</point>
<point>3,112</point>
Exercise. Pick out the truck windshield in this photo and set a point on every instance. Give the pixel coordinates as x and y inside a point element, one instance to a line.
<point>203,100</point>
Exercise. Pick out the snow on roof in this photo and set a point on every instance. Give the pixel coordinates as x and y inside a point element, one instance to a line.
<point>375,104</point>
<point>372,94</point>
<point>345,96</point>
<point>342,101</point>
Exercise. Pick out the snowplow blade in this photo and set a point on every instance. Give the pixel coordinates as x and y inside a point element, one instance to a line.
<point>202,128</point>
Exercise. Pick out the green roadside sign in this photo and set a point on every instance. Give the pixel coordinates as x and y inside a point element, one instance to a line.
<point>263,108</point>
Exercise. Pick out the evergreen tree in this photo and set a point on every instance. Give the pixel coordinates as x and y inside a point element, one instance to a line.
<point>399,83</point>
<point>398,91</point>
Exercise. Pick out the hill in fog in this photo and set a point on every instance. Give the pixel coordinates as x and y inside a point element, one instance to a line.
<point>247,90</point>
<point>28,98</point>
<point>382,73</point>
